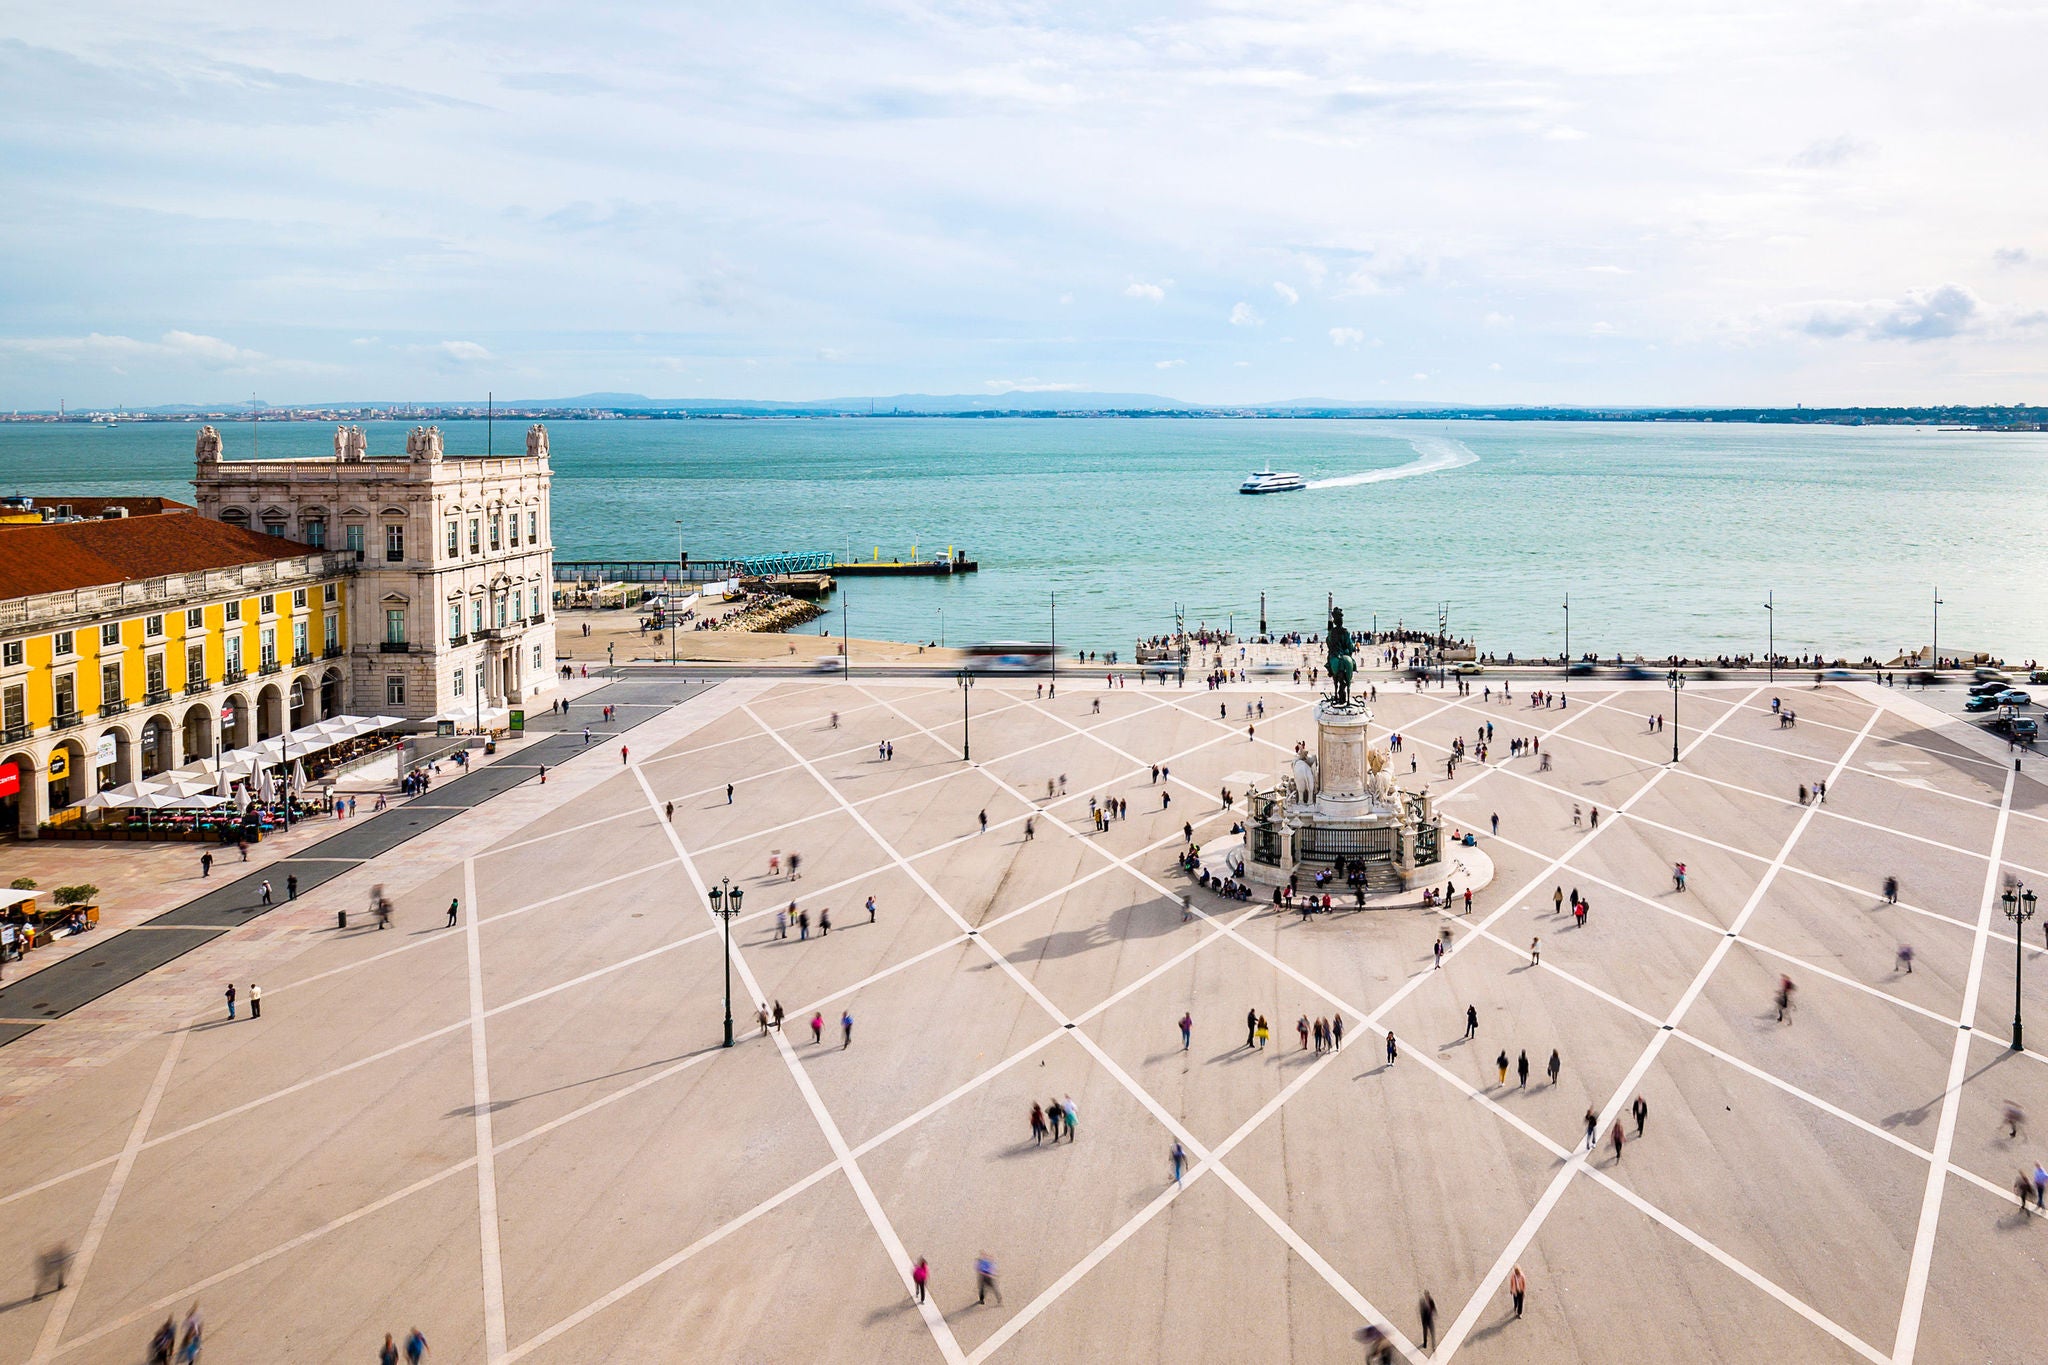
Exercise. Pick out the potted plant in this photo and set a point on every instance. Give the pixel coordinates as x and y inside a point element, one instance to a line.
<point>79,898</point>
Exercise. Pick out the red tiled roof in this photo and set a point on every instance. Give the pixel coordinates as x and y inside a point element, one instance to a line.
<point>82,505</point>
<point>87,554</point>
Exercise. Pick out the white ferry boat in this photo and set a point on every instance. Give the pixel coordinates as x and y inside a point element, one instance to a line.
<point>1267,481</point>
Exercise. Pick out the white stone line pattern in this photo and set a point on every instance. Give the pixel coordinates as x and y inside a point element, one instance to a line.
<point>1908,1339</point>
<point>89,1245</point>
<point>486,1164</point>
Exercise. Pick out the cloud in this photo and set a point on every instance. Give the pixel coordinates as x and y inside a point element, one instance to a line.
<point>1031,386</point>
<point>1287,292</point>
<point>2011,256</point>
<point>1498,321</point>
<point>1565,133</point>
<point>1151,293</point>
<point>1830,152</point>
<point>829,354</point>
<point>1244,315</point>
<point>1419,377</point>
<point>465,352</point>
<point>1346,336</point>
<point>1919,315</point>
<point>188,348</point>
<point>1168,364</point>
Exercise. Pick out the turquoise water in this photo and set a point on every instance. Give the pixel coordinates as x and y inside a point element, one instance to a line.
<point>1666,536</point>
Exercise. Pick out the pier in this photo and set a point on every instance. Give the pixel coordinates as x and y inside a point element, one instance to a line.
<point>770,566</point>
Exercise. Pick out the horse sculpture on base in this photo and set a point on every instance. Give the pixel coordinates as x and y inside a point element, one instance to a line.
<point>1341,665</point>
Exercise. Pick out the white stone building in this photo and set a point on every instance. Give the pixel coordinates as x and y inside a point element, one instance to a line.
<point>454,564</point>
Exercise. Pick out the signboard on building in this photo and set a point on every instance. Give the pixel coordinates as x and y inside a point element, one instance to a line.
<point>60,765</point>
<point>108,747</point>
<point>10,779</point>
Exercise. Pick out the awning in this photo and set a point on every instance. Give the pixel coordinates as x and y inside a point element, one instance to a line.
<point>491,717</point>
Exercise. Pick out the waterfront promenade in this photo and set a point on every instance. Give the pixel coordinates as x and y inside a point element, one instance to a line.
<point>520,1135</point>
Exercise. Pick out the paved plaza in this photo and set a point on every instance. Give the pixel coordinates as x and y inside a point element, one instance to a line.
<point>520,1133</point>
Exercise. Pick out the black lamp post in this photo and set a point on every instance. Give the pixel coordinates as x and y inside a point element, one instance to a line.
<point>1935,663</point>
<point>1771,636</point>
<point>1567,645</point>
<point>725,903</point>
<point>1677,681</point>
<point>966,736</point>
<point>2019,909</point>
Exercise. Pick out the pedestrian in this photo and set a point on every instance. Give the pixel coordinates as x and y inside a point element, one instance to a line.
<point>1336,1032</point>
<point>1906,958</point>
<point>454,907</point>
<point>871,909</point>
<point>778,1016</point>
<point>985,1279</point>
<point>2040,1187</point>
<point>1518,1285</point>
<point>728,793</point>
<point>1641,1109</point>
<point>1439,951</point>
<point>782,923</point>
<point>1536,948</point>
<point>803,926</point>
<point>1428,1310</point>
<point>920,1273</point>
<point>263,890</point>
<point>1592,1125</point>
<point>1468,900</point>
<point>1052,1120</point>
<point>1069,1116</point>
<point>1265,1033</point>
<point>1496,822</point>
<point>818,1027</point>
<point>1891,890</point>
<point>231,999</point>
<point>1593,816</point>
<point>255,1001</point>
<point>188,1343</point>
<point>1178,1158</point>
<point>242,847</point>
<point>1557,901</point>
<point>1802,793</point>
<point>622,753</point>
<point>669,812</point>
<point>1522,1070</point>
<point>1187,1030</point>
<point>291,887</point>
<point>1576,817</point>
<point>2015,1119</point>
<point>845,1029</point>
<point>1038,1124</point>
<point>1393,1049</point>
<point>51,1266</point>
<point>543,774</point>
<point>206,865</point>
<point>1615,1136</point>
<point>1471,1021</point>
<point>1251,1028</point>
<point>983,817</point>
<point>415,1346</point>
<point>1556,1065</point>
<point>1301,1027</point>
<point>1500,1064</point>
<point>824,921</point>
<point>387,1354</point>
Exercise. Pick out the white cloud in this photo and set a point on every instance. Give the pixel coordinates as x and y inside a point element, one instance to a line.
<point>175,347</point>
<point>1287,292</point>
<point>830,354</point>
<point>1495,367</point>
<point>1031,386</point>
<point>1168,364</point>
<point>1831,152</point>
<point>1565,133</point>
<point>1151,293</point>
<point>1244,315</point>
<point>1918,315</point>
<point>1419,377</point>
<point>1498,321</point>
<point>1346,336</point>
<point>465,352</point>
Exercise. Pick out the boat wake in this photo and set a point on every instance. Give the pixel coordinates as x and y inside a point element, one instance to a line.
<point>1434,454</point>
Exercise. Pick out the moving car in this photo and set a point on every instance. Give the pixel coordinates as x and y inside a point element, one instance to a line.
<point>1467,669</point>
<point>1987,689</point>
<point>2025,729</point>
<point>1842,675</point>
<point>1983,703</point>
<point>1991,675</point>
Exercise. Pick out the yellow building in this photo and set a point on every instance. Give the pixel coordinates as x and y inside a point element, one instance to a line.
<point>133,645</point>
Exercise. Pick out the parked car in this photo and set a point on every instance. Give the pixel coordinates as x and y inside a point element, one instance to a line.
<point>2025,729</point>
<point>1981,704</point>
<point>2014,697</point>
<point>2039,677</point>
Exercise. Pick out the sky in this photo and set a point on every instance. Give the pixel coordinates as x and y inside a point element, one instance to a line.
<point>1370,200</point>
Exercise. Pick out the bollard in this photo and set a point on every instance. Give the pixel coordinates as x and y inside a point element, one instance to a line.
<point>341,919</point>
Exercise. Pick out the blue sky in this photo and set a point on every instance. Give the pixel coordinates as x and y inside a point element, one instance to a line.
<point>1480,202</point>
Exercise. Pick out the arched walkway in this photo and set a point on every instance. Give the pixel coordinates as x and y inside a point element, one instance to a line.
<point>269,712</point>
<point>28,807</point>
<point>157,749</point>
<point>302,711</point>
<point>74,783</point>
<point>199,727</point>
<point>241,721</point>
<point>330,694</point>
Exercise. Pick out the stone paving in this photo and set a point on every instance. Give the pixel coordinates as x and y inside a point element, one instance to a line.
<point>521,1134</point>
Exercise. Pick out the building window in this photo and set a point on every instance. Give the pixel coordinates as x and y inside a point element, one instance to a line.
<point>334,632</point>
<point>455,621</point>
<point>316,533</point>
<point>195,618</point>
<point>460,675</point>
<point>110,683</point>
<point>274,528</point>
<point>195,666</point>
<point>14,709</point>
<point>501,613</point>
<point>533,527</point>
<point>64,643</point>
<point>353,537</point>
<point>66,694</point>
<point>394,691</point>
<point>234,653</point>
<point>394,544</point>
<point>476,614</point>
<point>497,522</point>
<point>454,538</point>
<point>153,626</point>
<point>269,645</point>
<point>155,675</point>
<point>536,658</point>
<point>235,516</point>
<point>266,604</point>
<point>394,625</point>
<point>327,592</point>
<point>515,530</point>
<point>298,597</point>
<point>534,614</point>
<point>299,633</point>
<point>234,610</point>
<point>11,654</point>
<point>475,535</point>
<point>110,635</point>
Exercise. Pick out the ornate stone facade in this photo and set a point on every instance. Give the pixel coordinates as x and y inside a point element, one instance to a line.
<point>454,563</point>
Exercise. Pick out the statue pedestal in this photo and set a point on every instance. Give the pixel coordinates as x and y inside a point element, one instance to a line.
<point>1340,754</point>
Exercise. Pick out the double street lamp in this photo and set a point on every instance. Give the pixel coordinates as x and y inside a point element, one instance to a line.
<point>2019,909</point>
<point>725,903</point>
<point>1677,681</point>
<point>966,736</point>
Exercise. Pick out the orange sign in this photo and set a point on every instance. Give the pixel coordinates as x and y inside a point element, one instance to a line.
<point>60,765</point>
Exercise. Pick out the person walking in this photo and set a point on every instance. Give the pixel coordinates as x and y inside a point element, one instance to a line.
<point>1178,1158</point>
<point>1614,1136</point>
<point>1393,1048</point>
<point>1187,1030</point>
<point>255,1001</point>
<point>920,1273</point>
<point>668,812</point>
<point>263,890</point>
<point>985,1279</point>
<point>1069,1116</point>
<point>1251,1028</point>
<point>728,793</point>
<point>1038,1125</point>
<point>1518,1286</point>
<point>871,909</point>
<point>1052,1119</point>
<point>778,1016</point>
<point>415,1346</point>
<point>1336,1032</point>
<point>1438,949</point>
<point>845,1029</point>
<point>1427,1308</point>
<point>803,926</point>
<point>1301,1027</point>
<point>1500,1065</point>
<point>454,908</point>
<point>1522,1070</point>
<point>983,818</point>
<point>824,921</point>
<point>206,865</point>
<point>1536,946</point>
<point>622,753</point>
<point>1265,1033</point>
<point>1592,1126</point>
<point>1556,1065</point>
<point>291,887</point>
<point>1557,901</point>
<point>782,923</point>
<point>1641,1109</point>
<point>387,1354</point>
<point>1471,1021</point>
<point>1891,890</point>
<point>818,1027</point>
<point>231,999</point>
<point>2041,1187</point>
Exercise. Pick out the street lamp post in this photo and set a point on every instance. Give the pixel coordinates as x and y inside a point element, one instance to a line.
<point>1771,636</point>
<point>1677,685</point>
<point>966,736</point>
<point>1052,663</point>
<point>845,644</point>
<point>1934,664</point>
<point>725,903</point>
<point>2019,909</point>
<point>1567,645</point>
